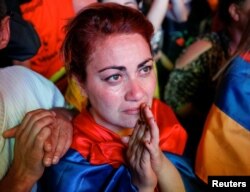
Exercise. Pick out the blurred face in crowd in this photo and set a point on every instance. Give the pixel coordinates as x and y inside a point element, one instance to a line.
<point>4,32</point>
<point>244,9</point>
<point>120,78</point>
<point>129,3</point>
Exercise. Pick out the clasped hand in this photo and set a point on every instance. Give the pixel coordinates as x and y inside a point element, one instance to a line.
<point>40,140</point>
<point>144,155</point>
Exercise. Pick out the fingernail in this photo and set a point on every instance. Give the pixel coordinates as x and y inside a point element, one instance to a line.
<point>47,162</point>
<point>55,160</point>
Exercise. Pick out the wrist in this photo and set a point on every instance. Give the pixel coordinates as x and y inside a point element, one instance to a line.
<point>19,180</point>
<point>66,113</point>
<point>163,167</point>
<point>146,189</point>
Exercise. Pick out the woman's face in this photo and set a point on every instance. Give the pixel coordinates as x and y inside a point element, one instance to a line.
<point>120,78</point>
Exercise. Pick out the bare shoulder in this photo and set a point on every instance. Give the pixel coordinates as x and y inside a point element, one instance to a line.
<point>193,52</point>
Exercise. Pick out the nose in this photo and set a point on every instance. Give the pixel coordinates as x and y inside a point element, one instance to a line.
<point>135,91</point>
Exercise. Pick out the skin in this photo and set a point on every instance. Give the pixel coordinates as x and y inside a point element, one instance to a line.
<point>118,74</point>
<point>178,10</point>
<point>27,160</point>
<point>5,32</point>
<point>41,139</point>
<point>243,13</point>
<point>156,13</point>
<point>120,92</point>
<point>60,129</point>
<point>129,3</point>
<point>139,157</point>
<point>149,166</point>
<point>239,18</point>
<point>79,4</point>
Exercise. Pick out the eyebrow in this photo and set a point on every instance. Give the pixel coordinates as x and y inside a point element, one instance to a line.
<point>122,68</point>
<point>144,62</point>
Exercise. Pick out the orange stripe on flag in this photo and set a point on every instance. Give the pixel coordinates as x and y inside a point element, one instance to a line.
<point>224,147</point>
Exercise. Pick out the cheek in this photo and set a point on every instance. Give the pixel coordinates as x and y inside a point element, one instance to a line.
<point>103,97</point>
<point>151,85</point>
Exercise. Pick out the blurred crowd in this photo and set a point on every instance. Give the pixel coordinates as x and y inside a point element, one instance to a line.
<point>196,46</point>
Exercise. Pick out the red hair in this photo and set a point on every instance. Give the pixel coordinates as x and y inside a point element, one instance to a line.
<point>94,24</point>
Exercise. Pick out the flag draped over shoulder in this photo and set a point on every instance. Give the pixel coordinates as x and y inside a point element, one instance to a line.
<point>100,145</point>
<point>96,160</point>
<point>225,143</point>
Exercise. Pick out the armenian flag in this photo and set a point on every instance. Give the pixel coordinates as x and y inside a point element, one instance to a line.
<point>225,143</point>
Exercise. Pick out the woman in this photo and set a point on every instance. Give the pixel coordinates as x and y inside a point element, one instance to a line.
<point>117,145</point>
<point>224,146</point>
<point>156,16</point>
<point>190,89</point>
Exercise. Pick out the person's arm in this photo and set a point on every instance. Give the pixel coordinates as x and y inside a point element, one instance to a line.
<point>61,137</point>
<point>27,166</point>
<point>189,67</point>
<point>45,135</point>
<point>156,13</point>
<point>178,10</point>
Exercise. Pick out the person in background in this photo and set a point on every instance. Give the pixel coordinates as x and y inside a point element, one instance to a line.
<point>155,14</point>
<point>190,89</point>
<point>120,137</point>
<point>223,149</point>
<point>48,18</point>
<point>177,31</point>
<point>178,10</point>
<point>18,48</point>
<point>39,142</point>
<point>174,27</point>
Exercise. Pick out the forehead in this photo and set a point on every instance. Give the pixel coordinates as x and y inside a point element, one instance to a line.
<point>121,49</point>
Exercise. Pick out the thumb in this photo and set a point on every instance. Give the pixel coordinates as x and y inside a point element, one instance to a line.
<point>10,132</point>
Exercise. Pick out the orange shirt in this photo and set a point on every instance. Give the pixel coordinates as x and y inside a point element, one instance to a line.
<point>48,18</point>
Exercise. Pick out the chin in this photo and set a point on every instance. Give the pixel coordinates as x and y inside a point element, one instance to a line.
<point>130,123</point>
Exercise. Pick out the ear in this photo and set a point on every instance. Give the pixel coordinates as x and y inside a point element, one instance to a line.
<point>4,32</point>
<point>234,12</point>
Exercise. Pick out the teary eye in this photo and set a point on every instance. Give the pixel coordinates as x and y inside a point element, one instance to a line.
<point>113,78</point>
<point>146,70</point>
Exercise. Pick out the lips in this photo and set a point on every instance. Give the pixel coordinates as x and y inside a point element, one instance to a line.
<point>132,111</point>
